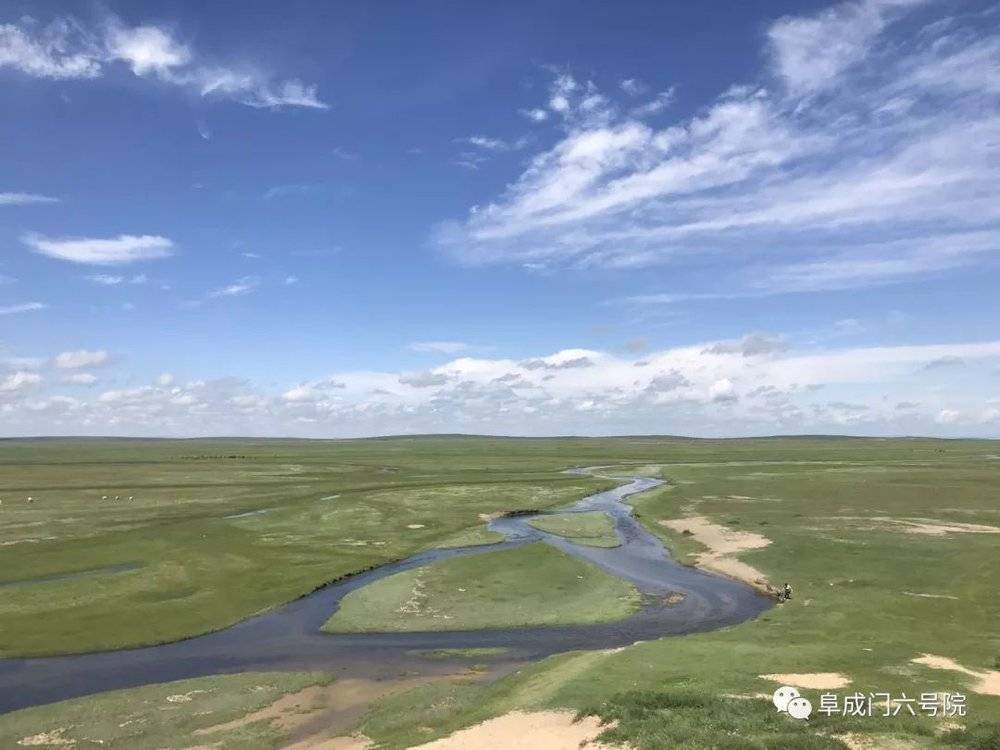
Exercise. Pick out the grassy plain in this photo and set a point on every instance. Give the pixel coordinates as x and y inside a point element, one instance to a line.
<point>161,717</point>
<point>195,557</point>
<point>880,538</point>
<point>593,528</point>
<point>531,585</point>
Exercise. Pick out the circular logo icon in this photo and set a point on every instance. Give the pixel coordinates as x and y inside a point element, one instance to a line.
<point>782,696</point>
<point>799,708</point>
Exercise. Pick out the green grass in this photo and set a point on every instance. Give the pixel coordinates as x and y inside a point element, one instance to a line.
<point>199,571</point>
<point>593,528</point>
<point>493,590</point>
<point>854,609</point>
<point>162,716</point>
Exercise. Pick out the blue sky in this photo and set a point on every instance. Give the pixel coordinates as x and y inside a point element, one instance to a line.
<point>720,218</point>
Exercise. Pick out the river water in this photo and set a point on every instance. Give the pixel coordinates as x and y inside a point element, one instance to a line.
<point>289,637</point>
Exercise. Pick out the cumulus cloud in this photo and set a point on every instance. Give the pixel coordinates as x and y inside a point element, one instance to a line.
<point>311,391</point>
<point>681,390</point>
<point>81,358</point>
<point>21,380</point>
<point>125,248</point>
<point>67,49</point>
<point>866,152</point>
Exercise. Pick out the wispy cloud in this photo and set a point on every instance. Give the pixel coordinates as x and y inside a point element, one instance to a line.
<point>487,143</point>
<point>866,152</point>
<point>105,279</point>
<point>67,49</point>
<point>125,248</point>
<point>238,288</point>
<point>23,307</point>
<point>23,199</point>
<point>290,191</point>
<point>482,147</point>
<point>439,347</point>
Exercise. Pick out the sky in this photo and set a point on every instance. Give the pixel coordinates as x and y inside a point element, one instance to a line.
<point>525,218</point>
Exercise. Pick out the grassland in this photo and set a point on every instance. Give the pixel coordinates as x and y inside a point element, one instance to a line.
<point>886,543</point>
<point>161,717</point>
<point>593,528</point>
<point>494,590</point>
<point>188,565</point>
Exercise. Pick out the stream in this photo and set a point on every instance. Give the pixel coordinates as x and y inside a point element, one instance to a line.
<point>289,637</point>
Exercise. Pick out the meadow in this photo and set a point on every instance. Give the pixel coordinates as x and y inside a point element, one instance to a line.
<point>892,548</point>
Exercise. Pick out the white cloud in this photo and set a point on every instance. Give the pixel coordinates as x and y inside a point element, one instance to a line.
<point>146,49</point>
<point>493,144</point>
<point>707,388</point>
<point>81,378</point>
<point>947,416</point>
<point>124,248</point>
<point>290,280</point>
<point>21,199</point>
<point>311,391</point>
<point>24,307</point>
<point>535,115</point>
<point>633,86</point>
<point>858,164</point>
<point>21,380</point>
<point>238,288</point>
<point>106,279</point>
<point>810,52</point>
<point>59,51</point>
<point>66,49</point>
<point>81,358</point>
<point>165,380</point>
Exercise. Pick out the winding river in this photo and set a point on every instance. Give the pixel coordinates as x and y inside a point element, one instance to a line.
<point>289,637</point>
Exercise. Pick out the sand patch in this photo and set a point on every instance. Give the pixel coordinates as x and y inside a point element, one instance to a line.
<point>931,596</point>
<point>315,716</point>
<point>47,739</point>
<point>814,680</point>
<point>987,681</point>
<point>859,741</point>
<point>183,697</point>
<point>925,526</point>
<point>723,545</point>
<point>540,730</point>
<point>355,742</point>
